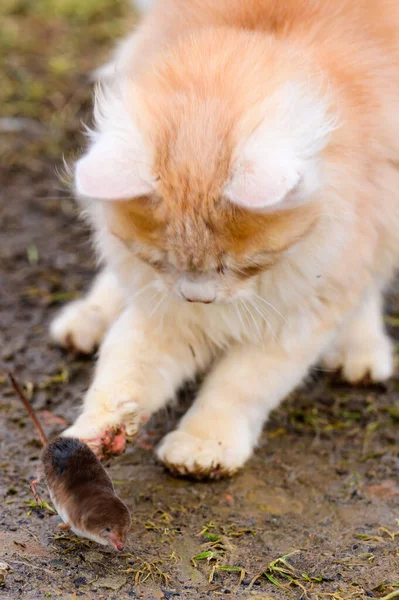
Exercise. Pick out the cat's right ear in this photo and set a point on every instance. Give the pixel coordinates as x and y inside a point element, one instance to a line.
<point>114,168</point>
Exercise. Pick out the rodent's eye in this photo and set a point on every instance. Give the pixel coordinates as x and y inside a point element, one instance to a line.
<point>108,529</point>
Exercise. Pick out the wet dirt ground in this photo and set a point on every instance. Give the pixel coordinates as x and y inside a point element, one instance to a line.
<point>323,487</point>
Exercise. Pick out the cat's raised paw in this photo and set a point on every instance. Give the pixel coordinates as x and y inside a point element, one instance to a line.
<point>80,326</point>
<point>109,442</point>
<point>106,427</point>
<point>186,455</point>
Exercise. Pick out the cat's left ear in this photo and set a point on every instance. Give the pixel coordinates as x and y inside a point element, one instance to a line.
<point>269,173</point>
<point>114,168</point>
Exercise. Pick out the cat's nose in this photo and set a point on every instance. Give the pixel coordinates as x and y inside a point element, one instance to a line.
<point>198,291</point>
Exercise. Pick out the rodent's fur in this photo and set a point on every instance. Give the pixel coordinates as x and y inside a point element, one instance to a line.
<point>80,487</point>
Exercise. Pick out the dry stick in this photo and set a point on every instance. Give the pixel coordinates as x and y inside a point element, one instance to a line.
<point>29,408</point>
<point>42,435</point>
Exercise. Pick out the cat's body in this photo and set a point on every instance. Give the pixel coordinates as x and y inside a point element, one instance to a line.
<point>253,148</point>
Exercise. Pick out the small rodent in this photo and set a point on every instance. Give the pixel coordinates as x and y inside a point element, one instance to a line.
<point>80,488</point>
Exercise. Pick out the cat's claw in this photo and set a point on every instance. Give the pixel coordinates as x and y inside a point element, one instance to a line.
<point>186,455</point>
<point>110,442</point>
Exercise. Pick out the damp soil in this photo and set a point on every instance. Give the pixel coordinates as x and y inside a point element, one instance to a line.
<point>322,489</point>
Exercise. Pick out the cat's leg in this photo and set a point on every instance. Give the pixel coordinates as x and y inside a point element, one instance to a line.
<point>362,348</point>
<point>219,432</point>
<point>140,367</point>
<point>82,324</point>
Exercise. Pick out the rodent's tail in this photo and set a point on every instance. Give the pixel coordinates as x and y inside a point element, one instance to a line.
<point>29,408</point>
<point>142,5</point>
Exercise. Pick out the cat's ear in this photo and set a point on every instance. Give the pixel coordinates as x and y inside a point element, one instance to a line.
<point>267,175</point>
<point>114,168</point>
<point>278,167</point>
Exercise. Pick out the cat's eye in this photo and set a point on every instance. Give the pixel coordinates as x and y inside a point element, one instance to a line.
<point>108,529</point>
<point>221,270</point>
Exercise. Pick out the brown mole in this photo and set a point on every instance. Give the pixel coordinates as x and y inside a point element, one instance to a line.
<point>80,488</point>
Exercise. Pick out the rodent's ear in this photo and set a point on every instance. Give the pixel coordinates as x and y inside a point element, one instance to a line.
<point>114,168</point>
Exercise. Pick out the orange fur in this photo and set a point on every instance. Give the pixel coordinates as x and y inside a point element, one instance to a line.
<point>198,96</point>
<point>246,159</point>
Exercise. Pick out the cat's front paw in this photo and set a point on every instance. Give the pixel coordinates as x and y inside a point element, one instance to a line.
<point>187,455</point>
<point>104,430</point>
<point>111,441</point>
<point>370,361</point>
<point>79,326</point>
<point>374,362</point>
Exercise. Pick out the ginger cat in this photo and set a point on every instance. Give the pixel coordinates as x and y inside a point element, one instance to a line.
<point>243,186</point>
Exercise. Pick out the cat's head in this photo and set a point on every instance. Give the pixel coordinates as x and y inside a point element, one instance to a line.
<point>207,169</point>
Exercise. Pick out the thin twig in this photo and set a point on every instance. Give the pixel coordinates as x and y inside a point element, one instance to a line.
<point>29,408</point>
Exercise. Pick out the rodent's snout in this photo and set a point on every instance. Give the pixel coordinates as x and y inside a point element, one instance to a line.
<point>117,542</point>
<point>119,546</point>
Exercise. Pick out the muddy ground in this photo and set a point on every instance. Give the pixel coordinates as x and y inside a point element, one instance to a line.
<point>323,486</point>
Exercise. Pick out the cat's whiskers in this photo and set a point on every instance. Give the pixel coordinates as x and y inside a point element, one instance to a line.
<point>257,297</point>
<point>249,318</point>
<point>265,318</point>
<point>246,313</point>
<point>144,289</point>
<point>165,310</point>
<point>235,304</point>
<point>156,307</point>
<point>253,320</point>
